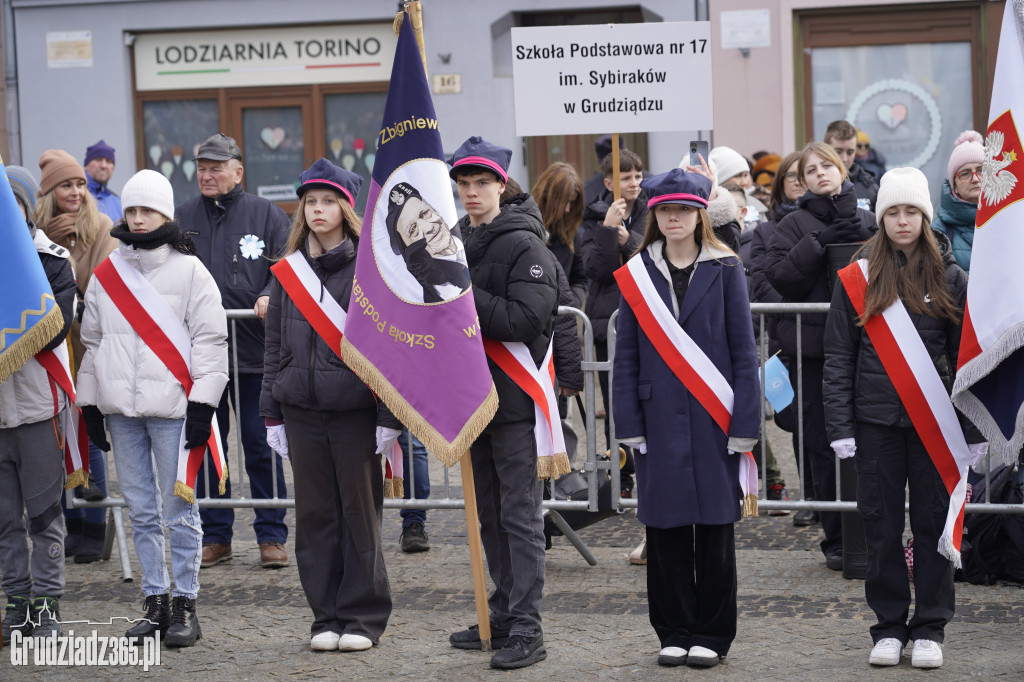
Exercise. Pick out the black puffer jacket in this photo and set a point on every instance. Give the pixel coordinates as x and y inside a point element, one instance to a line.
<point>572,265</point>
<point>856,386</point>
<point>797,266</point>
<point>756,252</point>
<point>602,256</point>
<point>568,355</point>
<point>865,184</point>
<point>299,368</point>
<point>515,286</point>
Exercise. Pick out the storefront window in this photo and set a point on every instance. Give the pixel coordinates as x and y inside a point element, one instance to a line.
<point>173,131</point>
<point>912,100</point>
<point>352,123</point>
<point>274,151</point>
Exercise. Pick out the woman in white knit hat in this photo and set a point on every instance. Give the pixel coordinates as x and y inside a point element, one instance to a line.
<point>910,273</point>
<point>961,190</point>
<point>125,385</point>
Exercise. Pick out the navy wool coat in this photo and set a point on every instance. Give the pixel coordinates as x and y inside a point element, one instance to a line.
<point>687,475</point>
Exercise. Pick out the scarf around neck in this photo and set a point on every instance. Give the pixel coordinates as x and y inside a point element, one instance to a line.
<point>169,233</point>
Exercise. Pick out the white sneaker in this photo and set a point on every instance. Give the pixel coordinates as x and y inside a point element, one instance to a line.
<point>927,654</point>
<point>325,641</point>
<point>354,643</point>
<point>886,652</point>
<point>672,656</point>
<point>702,657</point>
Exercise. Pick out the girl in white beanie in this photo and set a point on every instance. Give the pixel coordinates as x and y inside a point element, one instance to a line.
<point>125,385</point>
<point>908,264</point>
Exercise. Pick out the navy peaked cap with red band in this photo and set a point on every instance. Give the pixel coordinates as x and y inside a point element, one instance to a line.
<point>477,152</point>
<point>325,175</point>
<point>677,187</point>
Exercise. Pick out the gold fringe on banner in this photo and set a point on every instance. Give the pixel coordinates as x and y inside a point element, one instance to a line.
<point>76,478</point>
<point>32,340</point>
<point>448,452</point>
<point>750,505</point>
<point>222,485</point>
<point>394,488</point>
<point>184,492</point>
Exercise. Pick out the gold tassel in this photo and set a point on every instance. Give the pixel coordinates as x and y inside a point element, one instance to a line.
<point>184,492</point>
<point>76,478</point>
<point>222,485</point>
<point>448,452</point>
<point>394,488</point>
<point>750,505</point>
<point>396,25</point>
<point>562,466</point>
<point>32,341</point>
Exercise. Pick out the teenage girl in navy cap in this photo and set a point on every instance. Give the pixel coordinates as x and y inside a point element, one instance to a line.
<point>321,415</point>
<point>684,289</point>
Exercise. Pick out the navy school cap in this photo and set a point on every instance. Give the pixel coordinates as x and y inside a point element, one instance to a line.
<point>478,152</point>
<point>325,175</point>
<point>677,187</point>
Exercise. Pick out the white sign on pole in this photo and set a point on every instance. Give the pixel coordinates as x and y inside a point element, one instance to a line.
<point>574,80</point>
<point>746,28</point>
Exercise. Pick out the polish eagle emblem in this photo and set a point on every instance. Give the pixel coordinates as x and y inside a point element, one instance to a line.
<point>997,183</point>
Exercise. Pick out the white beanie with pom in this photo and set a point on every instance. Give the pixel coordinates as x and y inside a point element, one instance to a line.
<point>149,189</point>
<point>968,148</point>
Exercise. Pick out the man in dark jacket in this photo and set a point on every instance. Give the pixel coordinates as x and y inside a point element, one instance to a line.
<point>237,235</point>
<point>515,289</point>
<point>842,137</point>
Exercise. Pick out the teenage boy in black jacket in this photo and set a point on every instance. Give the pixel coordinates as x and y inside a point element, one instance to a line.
<point>516,290</point>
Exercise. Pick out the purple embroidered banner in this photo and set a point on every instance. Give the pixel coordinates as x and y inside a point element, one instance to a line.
<point>411,332</point>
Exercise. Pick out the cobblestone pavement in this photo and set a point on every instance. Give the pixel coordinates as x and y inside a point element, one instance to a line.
<point>797,619</point>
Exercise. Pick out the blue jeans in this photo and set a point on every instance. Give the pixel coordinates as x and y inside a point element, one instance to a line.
<point>259,460</point>
<point>152,504</point>
<point>98,469</point>
<point>422,472</point>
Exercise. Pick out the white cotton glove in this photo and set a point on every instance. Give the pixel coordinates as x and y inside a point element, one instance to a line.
<point>277,440</point>
<point>386,439</point>
<point>844,447</point>
<point>978,450</point>
<point>638,442</point>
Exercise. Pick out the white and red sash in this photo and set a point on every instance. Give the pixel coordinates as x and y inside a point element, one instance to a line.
<point>327,318</point>
<point>158,326</point>
<point>76,441</point>
<point>513,357</point>
<point>913,374</point>
<point>686,359</point>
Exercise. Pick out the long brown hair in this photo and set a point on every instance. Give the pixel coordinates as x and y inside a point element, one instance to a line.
<point>560,185</point>
<point>350,224</point>
<point>923,275</point>
<point>704,234</point>
<point>87,222</point>
<point>778,195</point>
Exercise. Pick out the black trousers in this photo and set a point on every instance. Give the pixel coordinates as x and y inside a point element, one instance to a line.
<point>691,586</point>
<point>339,497</point>
<point>817,452</point>
<point>889,459</point>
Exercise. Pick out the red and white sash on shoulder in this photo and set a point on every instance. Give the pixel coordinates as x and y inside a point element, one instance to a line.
<point>158,326</point>
<point>513,357</point>
<point>913,374</point>
<point>327,318</point>
<point>686,359</point>
<point>76,441</point>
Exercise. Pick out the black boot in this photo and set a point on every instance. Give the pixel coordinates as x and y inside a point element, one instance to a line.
<point>90,546</point>
<point>73,537</point>
<point>45,616</point>
<point>17,616</point>
<point>158,617</point>
<point>184,629</point>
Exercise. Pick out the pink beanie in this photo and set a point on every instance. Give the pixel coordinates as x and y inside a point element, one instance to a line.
<point>968,148</point>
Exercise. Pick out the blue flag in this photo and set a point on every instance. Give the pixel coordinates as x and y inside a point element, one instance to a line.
<point>29,316</point>
<point>777,388</point>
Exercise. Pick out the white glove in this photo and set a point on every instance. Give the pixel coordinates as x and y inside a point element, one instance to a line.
<point>844,447</point>
<point>386,439</point>
<point>638,442</point>
<point>277,440</point>
<point>978,450</point>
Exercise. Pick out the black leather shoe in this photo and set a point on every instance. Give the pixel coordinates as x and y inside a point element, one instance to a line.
<point>470,639</point>
<point>834,559</point>
<point>157,617</point>
<point>519,652</point>
<point>184,629</point>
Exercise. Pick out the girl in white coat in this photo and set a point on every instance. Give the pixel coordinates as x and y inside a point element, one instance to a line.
<point>146,408</point>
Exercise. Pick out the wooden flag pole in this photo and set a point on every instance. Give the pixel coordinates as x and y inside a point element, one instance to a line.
<point>616,190</point>
<point>476,555</point>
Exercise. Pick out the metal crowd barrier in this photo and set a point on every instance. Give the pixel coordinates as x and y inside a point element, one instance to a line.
<point>591,462</point>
